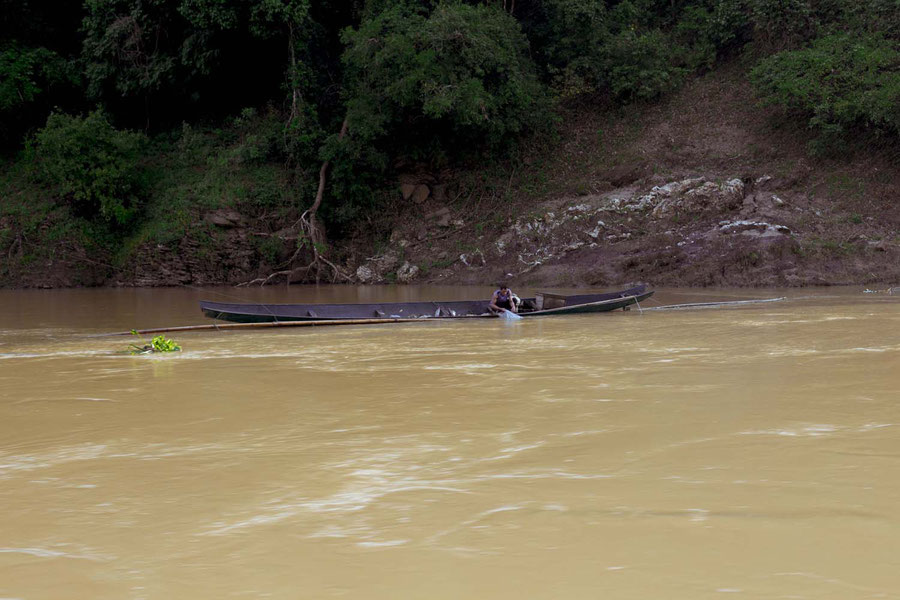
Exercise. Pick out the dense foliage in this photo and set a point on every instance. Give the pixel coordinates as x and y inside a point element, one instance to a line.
<point>418,82</point>
<point>90,165</point>
<point>841,83</point>
<point>458,77</point>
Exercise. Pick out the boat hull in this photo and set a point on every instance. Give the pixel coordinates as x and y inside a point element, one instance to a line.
<point>458,309</point>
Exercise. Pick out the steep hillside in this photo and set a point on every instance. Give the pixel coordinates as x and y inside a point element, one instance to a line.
<point>706,188</point>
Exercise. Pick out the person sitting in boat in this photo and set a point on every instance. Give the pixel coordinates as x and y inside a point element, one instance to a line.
<point>504,299</point>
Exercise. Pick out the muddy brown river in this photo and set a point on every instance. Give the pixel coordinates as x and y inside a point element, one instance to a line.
<point>749,452</point>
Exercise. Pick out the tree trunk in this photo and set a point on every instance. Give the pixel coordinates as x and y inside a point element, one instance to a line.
<point>296,98</point>
<point>315,232</point>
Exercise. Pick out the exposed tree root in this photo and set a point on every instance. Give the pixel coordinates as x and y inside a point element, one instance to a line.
<point>317,263</point>
<point>311,234</point>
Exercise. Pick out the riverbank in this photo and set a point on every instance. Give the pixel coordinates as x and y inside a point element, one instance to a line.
<point>704,189</point>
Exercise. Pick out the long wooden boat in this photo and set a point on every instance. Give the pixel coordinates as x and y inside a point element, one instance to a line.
<point>539,306</point>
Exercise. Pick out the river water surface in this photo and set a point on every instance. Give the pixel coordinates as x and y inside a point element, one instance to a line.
<point>746,452</point>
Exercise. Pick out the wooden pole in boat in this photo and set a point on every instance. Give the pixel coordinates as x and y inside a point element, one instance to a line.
<point>217,326</point>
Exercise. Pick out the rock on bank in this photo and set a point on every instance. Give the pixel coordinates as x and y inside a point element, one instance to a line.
<point>694,231</point>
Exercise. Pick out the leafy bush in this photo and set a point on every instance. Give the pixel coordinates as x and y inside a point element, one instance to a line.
<point>709,29</point>
<point>637,50</point>
<point>727,24</point>
<point>841,82</point>
<point>873,16</point>
<point>641,66</point>
<point>781,24</point>
<point>92,166</point>
<point>192,144</point>
<point>788,24</point>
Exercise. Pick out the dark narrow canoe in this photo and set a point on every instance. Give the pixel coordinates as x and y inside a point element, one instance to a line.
<point>568,305</point>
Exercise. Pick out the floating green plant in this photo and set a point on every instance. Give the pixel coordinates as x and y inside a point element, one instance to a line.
<point>159,343</point>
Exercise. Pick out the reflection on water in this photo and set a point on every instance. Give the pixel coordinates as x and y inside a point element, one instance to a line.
<point>687,454</point>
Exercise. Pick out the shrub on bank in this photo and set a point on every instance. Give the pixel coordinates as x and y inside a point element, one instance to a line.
<point>840,83</point>
<point>90,165</point>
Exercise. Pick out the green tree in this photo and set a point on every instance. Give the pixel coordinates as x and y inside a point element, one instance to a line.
<point>457,78</point>
<point>128,47</point>
<point>26,73</point>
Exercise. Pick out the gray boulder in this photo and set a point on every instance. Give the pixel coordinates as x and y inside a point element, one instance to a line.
<point>407,272</point>
<point>365,275</point>
<point>225,218</point>
<point>421,193</point>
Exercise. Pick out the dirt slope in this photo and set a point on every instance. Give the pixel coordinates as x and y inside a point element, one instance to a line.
<point>798,220</point>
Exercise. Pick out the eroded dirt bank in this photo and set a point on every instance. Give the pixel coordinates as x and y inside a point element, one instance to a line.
<point>750,230</point>
<point>738,231</point>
